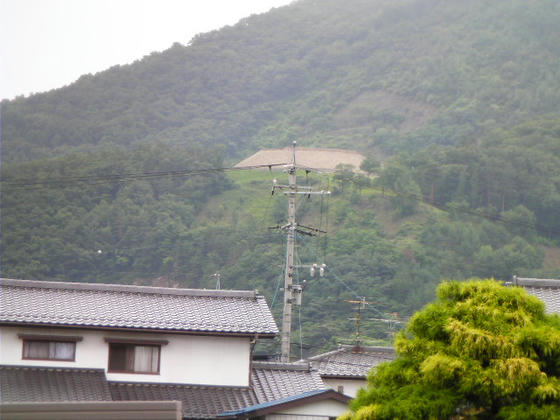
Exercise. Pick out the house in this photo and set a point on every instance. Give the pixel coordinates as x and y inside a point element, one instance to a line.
<point>547,290</point>
<point>346,368</point>
<point>135,334</point>
<point>112,348</point>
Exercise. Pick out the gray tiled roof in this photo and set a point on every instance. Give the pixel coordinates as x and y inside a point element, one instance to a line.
<point>260,410</point>
<point>269,382</point>
<point>273,381</point>
<point>120,306</point>
<point>547,290</point>
<point>25,383</point>
<point>350,361</point>
<point>199,402</point>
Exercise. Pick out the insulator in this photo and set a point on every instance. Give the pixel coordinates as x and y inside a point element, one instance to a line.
<point>297,290</point>
<point>321,271</point>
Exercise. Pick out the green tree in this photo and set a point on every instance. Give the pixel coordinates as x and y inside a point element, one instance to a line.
<point>481,350</point>
<point>370,165</point>
<point>400,180</point>
<point>344,175</point>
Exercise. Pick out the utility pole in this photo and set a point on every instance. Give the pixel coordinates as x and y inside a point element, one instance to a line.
<point>292,292</point>
<point>289,271</point>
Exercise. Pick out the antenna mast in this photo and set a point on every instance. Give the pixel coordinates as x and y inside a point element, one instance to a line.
<point>292,292</point>
<point>361,306</point>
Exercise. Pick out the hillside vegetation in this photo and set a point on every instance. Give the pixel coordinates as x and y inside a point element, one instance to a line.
<point>117,177</point>
<point>356,74</point>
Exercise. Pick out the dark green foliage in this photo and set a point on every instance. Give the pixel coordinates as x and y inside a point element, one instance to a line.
<point>511,176</point>
<point>370,165</point>
<point>480,351</point>
<point>55,230</point>
<point>399,180</point>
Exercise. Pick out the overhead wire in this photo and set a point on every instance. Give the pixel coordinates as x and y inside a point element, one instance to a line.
<point>303,239</point>
<point>34,183</point>
<point>326,241</point>
<point>31,183</point>
<point>346,286</point>
<point>122,177</point>
<point>279,281</point>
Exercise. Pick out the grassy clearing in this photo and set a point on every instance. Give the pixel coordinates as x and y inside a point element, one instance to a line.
<point>249,201</point>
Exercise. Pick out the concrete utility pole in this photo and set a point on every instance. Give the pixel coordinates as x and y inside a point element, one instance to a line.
<point>289,271</point>
<point>292,293</point>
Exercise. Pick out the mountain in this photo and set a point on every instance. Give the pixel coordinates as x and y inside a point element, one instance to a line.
<point>358,74</point>
<point>116,178</point>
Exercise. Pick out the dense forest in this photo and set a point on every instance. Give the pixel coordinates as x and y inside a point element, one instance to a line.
<point>123,175</point>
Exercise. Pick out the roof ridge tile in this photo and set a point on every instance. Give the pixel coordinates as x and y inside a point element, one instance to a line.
<point>124,288</point>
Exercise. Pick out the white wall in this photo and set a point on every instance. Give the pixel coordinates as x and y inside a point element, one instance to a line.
<point>294,417</point>
<point>328,408</point>
<point>351,386</point>
<point>187,359</point>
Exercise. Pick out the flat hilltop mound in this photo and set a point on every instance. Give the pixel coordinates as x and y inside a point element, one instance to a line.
<point>314,158</point>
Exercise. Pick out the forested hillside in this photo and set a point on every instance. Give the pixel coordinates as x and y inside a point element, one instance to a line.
<point>354,74</point>
<point>118,177</point>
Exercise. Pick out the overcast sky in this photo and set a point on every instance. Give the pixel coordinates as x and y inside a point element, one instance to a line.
<point>46,44</point>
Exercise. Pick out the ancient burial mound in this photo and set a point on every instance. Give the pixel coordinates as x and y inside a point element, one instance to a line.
<point>308,157</point>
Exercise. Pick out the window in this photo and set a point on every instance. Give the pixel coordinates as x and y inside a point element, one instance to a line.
<point>39,347</point>
<point>136,356</point>
<point>48,350</point>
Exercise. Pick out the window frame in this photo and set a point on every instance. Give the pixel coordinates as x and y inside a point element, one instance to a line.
<point>30,338</point>
<point>134,343</point>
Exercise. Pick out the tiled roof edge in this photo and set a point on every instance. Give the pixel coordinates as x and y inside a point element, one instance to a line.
<point>177,385</point>
<point>323,355</point>
<point>366,349</point>
<point>281,366</point>
<point>525,281</point>
<point>349,349</point>
<point>255,408</point>
<point>270,333</point>
<point>52,368</point>
<point>130,289</point>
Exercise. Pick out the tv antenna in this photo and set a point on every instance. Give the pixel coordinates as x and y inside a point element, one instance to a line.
<point>358,318</point>
<point>218,278</point>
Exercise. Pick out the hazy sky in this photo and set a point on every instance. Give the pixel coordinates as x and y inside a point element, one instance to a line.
<point>46,44</point>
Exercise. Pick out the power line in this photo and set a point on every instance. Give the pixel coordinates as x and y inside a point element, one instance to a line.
<point>34,183</point>
<point>123,177</point>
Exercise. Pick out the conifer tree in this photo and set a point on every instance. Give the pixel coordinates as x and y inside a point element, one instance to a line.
<point>480,351</point>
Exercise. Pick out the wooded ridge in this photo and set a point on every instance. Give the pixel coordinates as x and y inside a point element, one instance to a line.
<point>454,104</point>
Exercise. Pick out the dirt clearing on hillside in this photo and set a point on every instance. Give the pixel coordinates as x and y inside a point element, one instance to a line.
<point>319,159</point>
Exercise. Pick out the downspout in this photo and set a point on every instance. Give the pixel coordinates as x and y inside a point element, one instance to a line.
<point>253,342</point>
